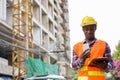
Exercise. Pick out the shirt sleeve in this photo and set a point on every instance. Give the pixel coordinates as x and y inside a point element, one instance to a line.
<point>108,54</point>
<point>77,62</point>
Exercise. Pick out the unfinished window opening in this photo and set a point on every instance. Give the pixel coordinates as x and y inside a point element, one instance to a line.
<point>44,3</point>
<point>51,26</point>
<point>51,44</point>
<point>36,11</point>
<point>44,39</point>
<point>50,8</point>
<point>44,19</point>
<point>36,34</point>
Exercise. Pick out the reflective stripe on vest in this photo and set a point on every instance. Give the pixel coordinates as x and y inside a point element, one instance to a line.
<point>91,78</point>
<point>82,78</point>
<point>92,73</point>
<point>84,68</point>
<point>96,73</point>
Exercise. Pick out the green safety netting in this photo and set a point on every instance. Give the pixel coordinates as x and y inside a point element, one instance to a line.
<point>38,67</point>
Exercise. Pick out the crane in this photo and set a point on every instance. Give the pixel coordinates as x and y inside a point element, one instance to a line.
<point>22,28</point>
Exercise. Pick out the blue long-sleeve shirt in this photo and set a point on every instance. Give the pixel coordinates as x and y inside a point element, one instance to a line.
<point>78,62</point>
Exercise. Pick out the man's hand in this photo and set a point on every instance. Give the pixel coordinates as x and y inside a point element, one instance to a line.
<point>85,54</point>
<point>100,64</point>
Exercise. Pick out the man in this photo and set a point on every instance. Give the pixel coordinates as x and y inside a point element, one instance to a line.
<point>91,48</point>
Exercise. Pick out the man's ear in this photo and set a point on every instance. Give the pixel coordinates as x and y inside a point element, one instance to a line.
<point>95,27</point>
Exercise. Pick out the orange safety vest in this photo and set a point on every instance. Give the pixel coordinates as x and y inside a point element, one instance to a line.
<point>91,72</point>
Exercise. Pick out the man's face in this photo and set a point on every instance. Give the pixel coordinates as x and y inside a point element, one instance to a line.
<point>89,32</point>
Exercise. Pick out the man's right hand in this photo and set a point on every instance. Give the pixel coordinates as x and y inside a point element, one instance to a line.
<point>101,64</point>
<point>85,54</point>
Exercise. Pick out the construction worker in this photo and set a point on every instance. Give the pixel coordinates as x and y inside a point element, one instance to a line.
<point>87,50</point>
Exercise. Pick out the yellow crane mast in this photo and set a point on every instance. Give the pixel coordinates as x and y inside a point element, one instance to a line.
<point>22,24</point>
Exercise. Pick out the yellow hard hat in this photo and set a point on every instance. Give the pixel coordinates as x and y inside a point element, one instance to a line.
<point>88,20</point>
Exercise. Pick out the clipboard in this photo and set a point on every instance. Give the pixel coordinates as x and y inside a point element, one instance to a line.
<point>99,60</point>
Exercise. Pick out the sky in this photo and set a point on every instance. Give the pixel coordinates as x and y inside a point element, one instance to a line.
<point>105,12</point>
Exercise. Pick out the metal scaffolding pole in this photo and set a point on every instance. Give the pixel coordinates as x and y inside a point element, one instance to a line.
<point>21,22</point>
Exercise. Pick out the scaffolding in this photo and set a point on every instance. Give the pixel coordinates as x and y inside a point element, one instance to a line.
<point>22,31</point>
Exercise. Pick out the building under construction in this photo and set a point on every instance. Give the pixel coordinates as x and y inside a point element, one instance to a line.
<point>38,29</point>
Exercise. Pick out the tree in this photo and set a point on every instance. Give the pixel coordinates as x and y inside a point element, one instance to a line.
<point>116,53</point>
<point>75,75</point>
